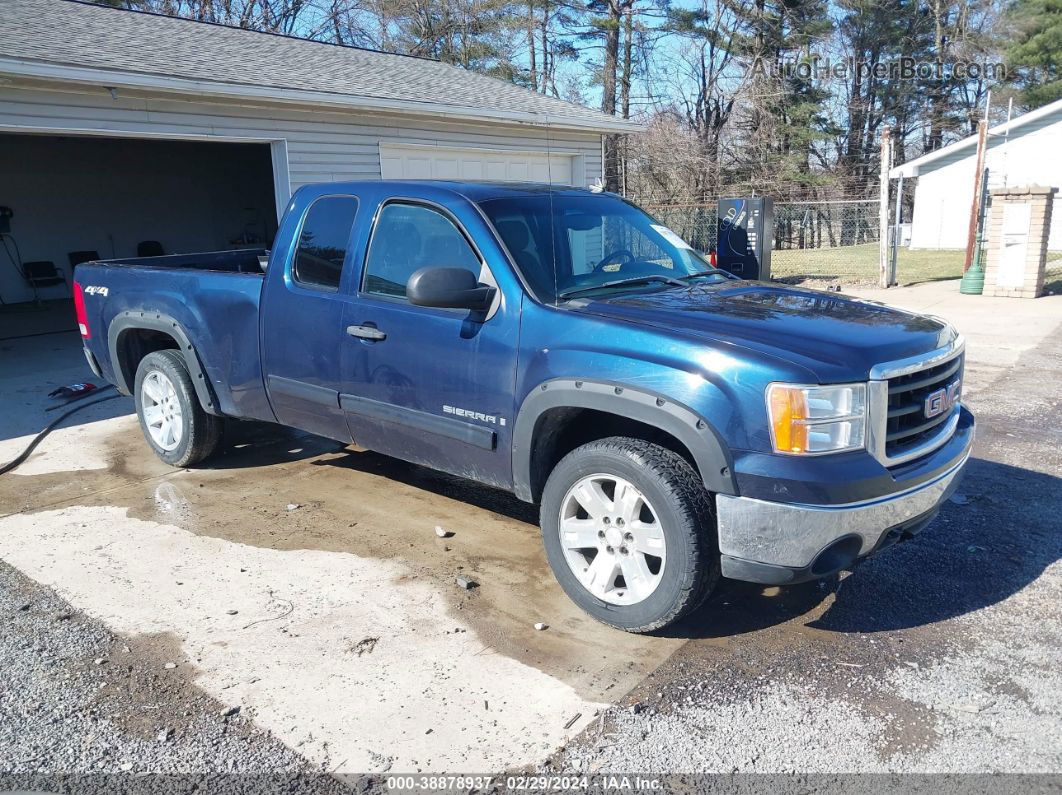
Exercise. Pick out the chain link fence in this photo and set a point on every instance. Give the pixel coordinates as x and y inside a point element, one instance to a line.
<point>1053,274</point>
<point>832,242</point>
<point>822,241</point>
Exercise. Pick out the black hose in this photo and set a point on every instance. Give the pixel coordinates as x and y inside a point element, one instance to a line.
<point>48,429</point>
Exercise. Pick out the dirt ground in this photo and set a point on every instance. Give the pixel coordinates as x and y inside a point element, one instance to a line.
<point>304,584</point>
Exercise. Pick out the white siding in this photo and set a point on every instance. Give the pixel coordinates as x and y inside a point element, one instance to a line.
<point>403,161</point>
<point>945,187</point>
<point>322,146</point>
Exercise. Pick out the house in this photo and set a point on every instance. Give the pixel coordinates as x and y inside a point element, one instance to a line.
<point>1023,151</point>
<point>123,131</point>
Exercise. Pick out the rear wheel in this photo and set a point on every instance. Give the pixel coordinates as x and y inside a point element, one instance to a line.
<point>629,532</point>
<point>173,421</point>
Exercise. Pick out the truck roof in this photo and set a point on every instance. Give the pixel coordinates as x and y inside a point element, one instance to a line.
<point>478,191</point>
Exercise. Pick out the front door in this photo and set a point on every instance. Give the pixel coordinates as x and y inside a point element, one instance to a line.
<point>432,386</point>
<point>303,339</point>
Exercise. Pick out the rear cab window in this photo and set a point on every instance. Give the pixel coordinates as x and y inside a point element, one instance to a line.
<point>324,241</point>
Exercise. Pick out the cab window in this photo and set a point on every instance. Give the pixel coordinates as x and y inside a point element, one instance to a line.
<point>409,237</point>
<point>323,242</point>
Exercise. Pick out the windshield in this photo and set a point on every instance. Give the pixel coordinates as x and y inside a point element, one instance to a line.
<point>590,245</point>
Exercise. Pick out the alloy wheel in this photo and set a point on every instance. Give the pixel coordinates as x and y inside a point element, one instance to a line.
<point>612,539</point>
<point>162,410</point>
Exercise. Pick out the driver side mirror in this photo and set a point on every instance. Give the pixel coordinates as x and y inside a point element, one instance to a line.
<point>448,288</point>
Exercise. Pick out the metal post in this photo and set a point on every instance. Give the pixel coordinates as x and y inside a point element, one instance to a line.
<point>971,236</point>
<point>893,281</point>
<point>973,281</point>
<point>883,208</point>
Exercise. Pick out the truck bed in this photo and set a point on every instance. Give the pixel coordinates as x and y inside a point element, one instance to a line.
<point>213,297</point>
<point>247,260</point>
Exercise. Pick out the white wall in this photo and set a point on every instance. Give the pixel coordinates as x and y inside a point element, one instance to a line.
<point>945,187</point>
<point>321,146</point>
<point>108,194</point>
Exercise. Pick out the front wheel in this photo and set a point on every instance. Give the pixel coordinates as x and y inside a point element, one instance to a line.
<point>629,533</point>
<point>173,421</point>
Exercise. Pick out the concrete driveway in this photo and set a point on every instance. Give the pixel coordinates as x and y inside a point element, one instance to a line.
<point>292,608</point>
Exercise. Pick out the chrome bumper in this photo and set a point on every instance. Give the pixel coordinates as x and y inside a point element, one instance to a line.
<point>793,536</point>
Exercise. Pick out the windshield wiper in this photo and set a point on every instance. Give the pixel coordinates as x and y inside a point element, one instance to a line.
<point>623,282</point>
<point>710,272</point>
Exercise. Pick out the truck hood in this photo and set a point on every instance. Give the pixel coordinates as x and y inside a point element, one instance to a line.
<point>836,337</point>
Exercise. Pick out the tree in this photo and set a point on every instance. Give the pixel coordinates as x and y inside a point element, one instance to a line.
<point>732,91</point>
<point>479,35</point>
<point>605,22</point>
<point>548,46</point>
<point>788,107</point>
<point>707,83</point>
<point>1036,53</point>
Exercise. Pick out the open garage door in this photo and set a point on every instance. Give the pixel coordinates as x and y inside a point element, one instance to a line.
<point>80,197</point>
<point>408,161</point>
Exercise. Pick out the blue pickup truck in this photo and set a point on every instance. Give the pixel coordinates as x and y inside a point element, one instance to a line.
<point>675,424</point>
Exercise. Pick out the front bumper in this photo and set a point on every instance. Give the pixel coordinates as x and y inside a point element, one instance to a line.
<point>777,543</point>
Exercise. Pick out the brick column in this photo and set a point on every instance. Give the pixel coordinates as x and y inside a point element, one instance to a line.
<point>1018,225</point>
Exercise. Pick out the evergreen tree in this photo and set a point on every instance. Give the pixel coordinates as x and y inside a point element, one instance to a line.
<point>1036,53</point>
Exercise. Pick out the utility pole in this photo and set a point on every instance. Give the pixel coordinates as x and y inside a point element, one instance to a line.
<point>975,205</point>
<point>883,208</point>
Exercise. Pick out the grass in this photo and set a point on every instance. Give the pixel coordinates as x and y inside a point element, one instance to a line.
<point>859,265</point>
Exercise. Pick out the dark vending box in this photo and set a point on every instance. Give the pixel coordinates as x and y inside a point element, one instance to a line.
<point>746,236</point>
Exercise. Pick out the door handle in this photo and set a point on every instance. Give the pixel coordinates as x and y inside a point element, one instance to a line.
<point>366,332</point>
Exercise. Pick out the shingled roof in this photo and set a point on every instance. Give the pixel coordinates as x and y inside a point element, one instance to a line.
<point>68,39</point>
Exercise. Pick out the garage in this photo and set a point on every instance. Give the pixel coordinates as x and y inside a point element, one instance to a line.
<point>124,131</point>
<point>74,198</point>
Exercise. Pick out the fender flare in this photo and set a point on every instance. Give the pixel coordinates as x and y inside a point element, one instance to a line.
<point>702,440</point>
<point>157,321</point>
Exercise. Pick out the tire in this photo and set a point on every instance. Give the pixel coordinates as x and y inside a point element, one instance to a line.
<point>671,494</point>
<point>194,435</point>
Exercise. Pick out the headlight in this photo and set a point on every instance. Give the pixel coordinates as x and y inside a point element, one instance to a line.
<point>817,419</point>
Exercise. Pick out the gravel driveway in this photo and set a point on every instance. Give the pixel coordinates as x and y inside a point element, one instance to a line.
<point>78,699</point>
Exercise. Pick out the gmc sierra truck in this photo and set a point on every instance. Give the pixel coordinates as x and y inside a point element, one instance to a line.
<point>674,423</point>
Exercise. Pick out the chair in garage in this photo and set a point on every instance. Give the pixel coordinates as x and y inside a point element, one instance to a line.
<point>77,257</point>
<point>42,273</point>
<point>149,248</point>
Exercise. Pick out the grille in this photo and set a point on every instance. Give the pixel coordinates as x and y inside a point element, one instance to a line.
<point>907,425</point>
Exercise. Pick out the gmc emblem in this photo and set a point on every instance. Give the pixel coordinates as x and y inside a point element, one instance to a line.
<point>942,399</point>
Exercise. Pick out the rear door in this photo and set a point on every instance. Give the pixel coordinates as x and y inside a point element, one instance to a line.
<point>432,386</point>
<point>303,336</point>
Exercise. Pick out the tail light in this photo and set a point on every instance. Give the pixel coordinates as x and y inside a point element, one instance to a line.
<point>79,310</point>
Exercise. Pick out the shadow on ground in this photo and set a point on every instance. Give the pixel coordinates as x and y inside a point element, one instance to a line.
<point>989,542</point>
<point>247,444</point>
<point>973,555</point>
<point>456,488</point>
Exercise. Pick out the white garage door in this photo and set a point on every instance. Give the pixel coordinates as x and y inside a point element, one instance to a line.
<point>403,161</point>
